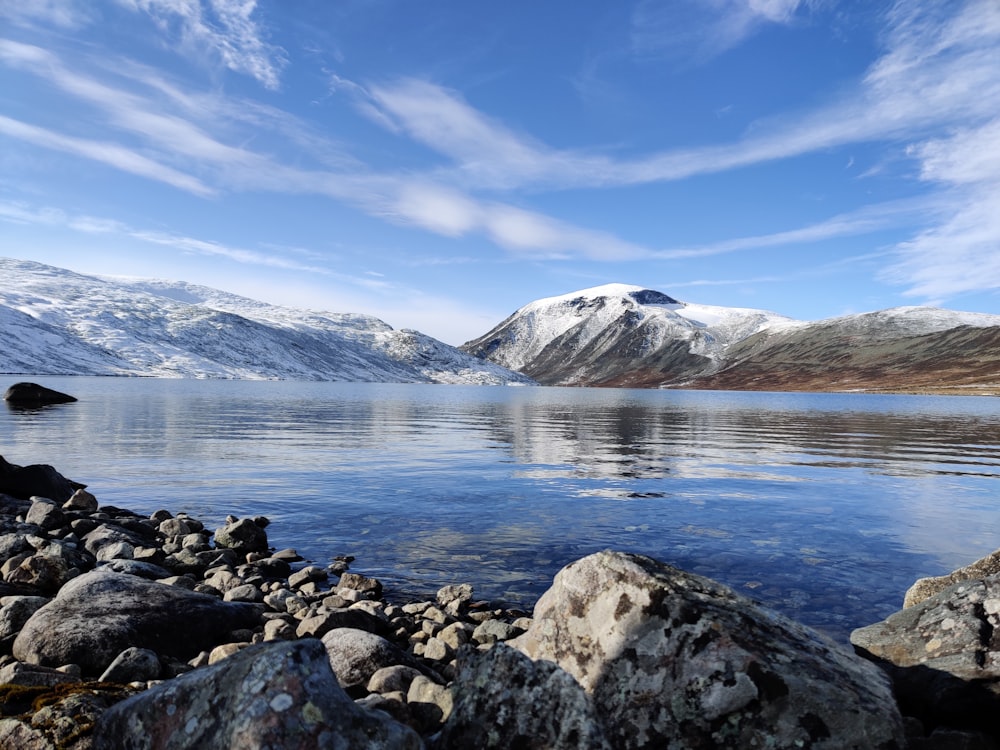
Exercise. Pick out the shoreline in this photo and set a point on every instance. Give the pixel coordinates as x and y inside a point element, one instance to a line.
<point>105,614</point>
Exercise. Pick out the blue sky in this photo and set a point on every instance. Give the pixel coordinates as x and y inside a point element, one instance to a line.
<point>439,164</point>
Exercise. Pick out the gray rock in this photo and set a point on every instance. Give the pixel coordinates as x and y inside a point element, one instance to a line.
<point>81,500</point>
<point>502,699</point>
<point>15,612</point>
<point>356,582</point>
<point>429,703</point>
<point>32,675</point>
<point>926,587</point>
<point>132,665</point>
<point>394,679</point>
<point>245,592</point>
<point>45,514</point>
<point>676,660</point>
<point>942,655</point>
<point>277,695</point>
<point>242,536</point>
<point>491,631</point>
<point>355,655</point>
<point>322,623</point>
<point>137,568</point>
<point>308,574</point>
<point>43,572</point>
<point>100,614</point>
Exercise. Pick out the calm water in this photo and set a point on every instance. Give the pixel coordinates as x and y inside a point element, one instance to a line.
<point>824,506</point>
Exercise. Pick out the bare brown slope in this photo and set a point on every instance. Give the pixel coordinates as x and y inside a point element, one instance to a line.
<point>960,360</point>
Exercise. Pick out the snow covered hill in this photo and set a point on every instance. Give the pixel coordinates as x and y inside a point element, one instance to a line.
<point>621,335</point>
<point>618,334</point>
<point>57,322</point>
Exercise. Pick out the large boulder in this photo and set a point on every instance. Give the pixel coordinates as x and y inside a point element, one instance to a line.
<point>25,482</point>
<point>503,699</point>
<point>32,394</point>
<point>100,614</point>
<point>943,656</point>
<point>276,695</point>
<point>672,659</point>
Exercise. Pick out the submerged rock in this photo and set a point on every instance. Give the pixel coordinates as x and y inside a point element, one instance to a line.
<point>672,659</point>
<point>276,695</point>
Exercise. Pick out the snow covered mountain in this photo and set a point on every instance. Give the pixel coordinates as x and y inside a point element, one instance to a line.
<point>57,322</point>
<point>621,335</point>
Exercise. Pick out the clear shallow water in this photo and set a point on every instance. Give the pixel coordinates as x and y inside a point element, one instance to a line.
<point>825,506</point>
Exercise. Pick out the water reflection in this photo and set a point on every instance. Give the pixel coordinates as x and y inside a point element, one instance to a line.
<point>824,506</point>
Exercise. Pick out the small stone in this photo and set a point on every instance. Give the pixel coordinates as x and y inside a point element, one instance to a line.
<point>132,665</point>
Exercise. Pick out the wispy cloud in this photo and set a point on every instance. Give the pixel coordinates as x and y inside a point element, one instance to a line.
<point>866,220</point>
<point>67,14</point>
<point>698,30</point>
<point>105,152</point>
<point>24,213</point>
<point>225,29</point>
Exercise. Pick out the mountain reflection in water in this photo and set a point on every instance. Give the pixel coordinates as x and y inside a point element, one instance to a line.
<point>826,506</point>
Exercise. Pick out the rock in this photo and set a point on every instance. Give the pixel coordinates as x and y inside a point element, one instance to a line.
<point>41,480</point>
<point>454,598</point>
<point>15,612</point>
<point>671,659</point>
<point>32,394</point>
<point>32,675</point>
<point>81,500</point>
<point>42,572</point>
<point>100,614</point>
<point>132,665</point>
<point>429,703</point>
<point>502,699</point>
<point>491,631</point>
<point>137,568</point>
<point>276,695</point>
<point>364,584</point>
<point>242,536</point>
<point>45,514</point>
<point>355,655</point>
<point>396,678</point>
<point>942,656</point>
<point>308,574</point>
<point>926,587</point>
<point>320,624</point>
<point>245,592</point>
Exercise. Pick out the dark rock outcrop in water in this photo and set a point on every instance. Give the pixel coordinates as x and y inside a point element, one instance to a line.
<point>188,643</point>
<point>40,480</point>
<point>32,394</point>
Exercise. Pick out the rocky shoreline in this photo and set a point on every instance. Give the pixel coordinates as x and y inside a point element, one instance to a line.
<point>124,631</point>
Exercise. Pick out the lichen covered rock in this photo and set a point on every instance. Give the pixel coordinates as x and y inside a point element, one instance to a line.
<point>675,660</point>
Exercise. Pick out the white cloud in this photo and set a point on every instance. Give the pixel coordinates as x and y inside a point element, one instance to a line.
<point>107,153</point>
<point>697,30</point>
<point>223,28</point>
<point>67,14</point>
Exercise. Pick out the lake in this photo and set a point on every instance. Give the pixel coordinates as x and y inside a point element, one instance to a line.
<point>824,506</point>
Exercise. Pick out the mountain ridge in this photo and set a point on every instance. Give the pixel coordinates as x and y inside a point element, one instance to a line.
<point>59,322</point>
<point>629,336</point>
